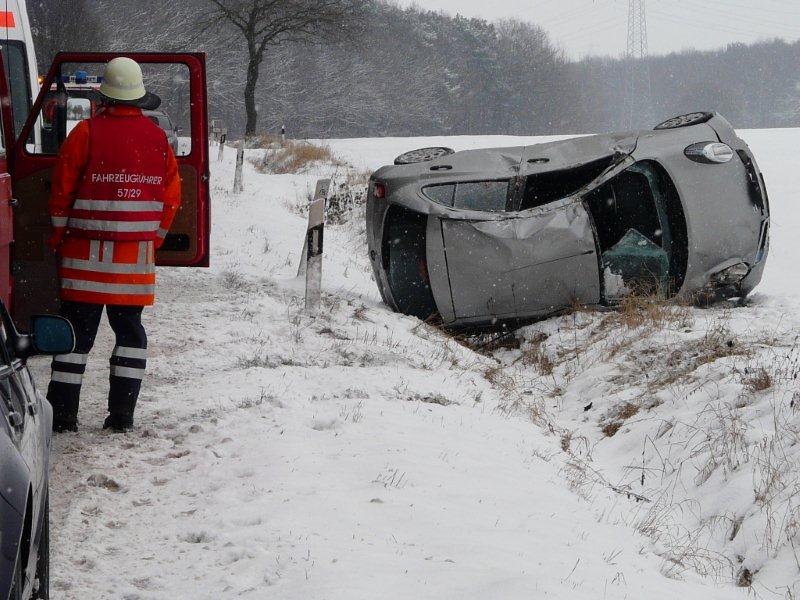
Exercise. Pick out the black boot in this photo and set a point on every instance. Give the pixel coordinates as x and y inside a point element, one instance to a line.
<point>118,423</point>
<point>62,424</point>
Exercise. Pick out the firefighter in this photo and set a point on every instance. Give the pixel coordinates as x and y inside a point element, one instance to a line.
<point>115,191</point>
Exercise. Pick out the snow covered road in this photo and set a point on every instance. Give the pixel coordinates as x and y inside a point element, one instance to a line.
<point>352,456</point>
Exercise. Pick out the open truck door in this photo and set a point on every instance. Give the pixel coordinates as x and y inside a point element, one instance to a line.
<point>6,196</point>
<point>180,81</point>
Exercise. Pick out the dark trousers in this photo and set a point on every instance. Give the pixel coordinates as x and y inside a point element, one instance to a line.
<point>128,361</point>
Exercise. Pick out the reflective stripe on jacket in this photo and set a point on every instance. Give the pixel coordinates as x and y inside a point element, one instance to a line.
<point>108,272</point>
<point>107,244</point>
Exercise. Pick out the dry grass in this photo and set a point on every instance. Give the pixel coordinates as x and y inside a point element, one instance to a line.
<point>756,380</point>
<point>536,356</point>
<point>484,344</point>
<point>653,311</point>
<point>294,157</point>
<point>499,379</point>
<point>264,141</point>
<point>618,416</point>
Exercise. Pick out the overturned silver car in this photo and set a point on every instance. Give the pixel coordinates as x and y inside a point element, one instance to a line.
<point>508,234</point>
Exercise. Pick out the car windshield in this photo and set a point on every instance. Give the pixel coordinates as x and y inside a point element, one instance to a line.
<point>640,224</point>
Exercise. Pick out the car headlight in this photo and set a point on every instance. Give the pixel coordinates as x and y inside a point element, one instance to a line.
<point>732,275</point>
<point>709,152</point>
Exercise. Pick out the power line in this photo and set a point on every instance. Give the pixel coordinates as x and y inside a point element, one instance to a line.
<point>604,25</point>
<point>708,26</point>
<point>775,11</point>
<point>740,21</point>
<point>566,17</point>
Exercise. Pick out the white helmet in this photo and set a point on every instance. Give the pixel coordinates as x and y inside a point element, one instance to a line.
<point>123,82</point>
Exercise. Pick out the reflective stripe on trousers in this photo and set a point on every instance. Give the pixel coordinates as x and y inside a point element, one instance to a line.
<point>69,368</point>
<point>127,362</point>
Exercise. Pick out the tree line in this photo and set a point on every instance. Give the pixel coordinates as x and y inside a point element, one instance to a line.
<point>370,68</point>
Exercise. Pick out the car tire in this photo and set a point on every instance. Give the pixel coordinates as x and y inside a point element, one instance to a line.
<point>43,559</point>
<point>687,120</point>
<point>422,155</point>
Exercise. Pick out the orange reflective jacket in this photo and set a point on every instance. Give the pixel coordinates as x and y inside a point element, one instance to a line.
<point>98,267</point>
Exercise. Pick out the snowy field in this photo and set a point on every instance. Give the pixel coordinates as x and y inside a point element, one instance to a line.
<point>361,454</point>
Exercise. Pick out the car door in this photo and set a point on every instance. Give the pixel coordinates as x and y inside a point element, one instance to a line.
<point>519,263</point>
<point>479,265</point>
<point>478,242</point>
<point>555,261</point>
<point>180,80</point>
<point>524,265</point>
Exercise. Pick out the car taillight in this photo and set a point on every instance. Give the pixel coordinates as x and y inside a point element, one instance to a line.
<point>379,190</point>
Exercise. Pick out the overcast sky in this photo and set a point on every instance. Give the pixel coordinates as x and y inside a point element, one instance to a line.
<point>584,27</point>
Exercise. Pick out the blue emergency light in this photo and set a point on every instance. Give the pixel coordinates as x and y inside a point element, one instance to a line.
<point>81,78</point>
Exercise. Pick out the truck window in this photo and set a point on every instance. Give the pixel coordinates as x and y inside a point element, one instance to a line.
<point>19,85</point>
<point>78,97</point>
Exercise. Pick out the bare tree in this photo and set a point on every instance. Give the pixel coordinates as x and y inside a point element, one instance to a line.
<point>65,25</point>
<point>264,23</point>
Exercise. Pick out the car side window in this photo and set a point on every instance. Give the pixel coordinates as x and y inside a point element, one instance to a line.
<point>19,399</point>
<point>7,352</point>
<point>10,401</point>
<point>627,202</point>
<point>488,196</point>
<point>550,186</point>
<point>442,194</point>
<point>11,393</point>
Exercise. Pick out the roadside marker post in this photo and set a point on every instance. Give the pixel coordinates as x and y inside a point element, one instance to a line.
<point>223,135</point>
<point>238,184</point>
<point>312,252</point>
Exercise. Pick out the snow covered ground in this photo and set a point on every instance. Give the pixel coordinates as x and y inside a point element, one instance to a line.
<point>362,454</point>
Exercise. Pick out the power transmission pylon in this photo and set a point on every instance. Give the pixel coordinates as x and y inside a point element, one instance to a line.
<point>638,93</point>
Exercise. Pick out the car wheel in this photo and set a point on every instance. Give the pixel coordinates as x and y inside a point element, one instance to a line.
<point>422,155</point>
<point>694,118</point>
<point>43,559</point>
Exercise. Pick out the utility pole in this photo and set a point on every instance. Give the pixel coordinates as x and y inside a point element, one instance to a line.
<point>638,91</point>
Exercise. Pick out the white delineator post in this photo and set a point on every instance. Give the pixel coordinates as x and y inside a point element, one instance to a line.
<point>238,185</point>
<point>223,135</point>
<point>313,247</point>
